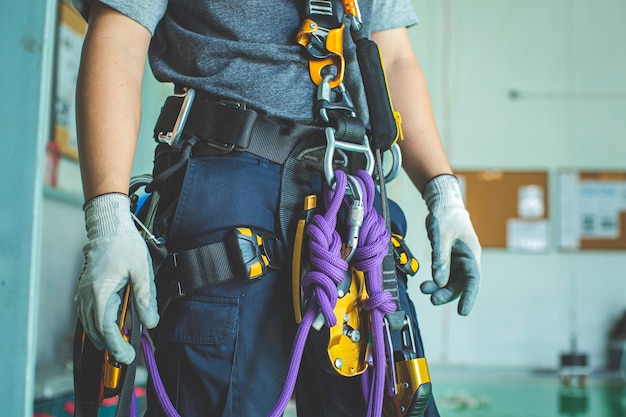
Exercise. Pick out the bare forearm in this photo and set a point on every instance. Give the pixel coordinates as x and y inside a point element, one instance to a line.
<point>109,104</point>
<point>423,154</point>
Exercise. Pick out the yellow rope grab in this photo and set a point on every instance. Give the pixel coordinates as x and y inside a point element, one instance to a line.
<point>333,42</point>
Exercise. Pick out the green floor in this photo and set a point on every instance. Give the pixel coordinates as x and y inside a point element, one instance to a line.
<point>527,396</point>
<point>474,393</point>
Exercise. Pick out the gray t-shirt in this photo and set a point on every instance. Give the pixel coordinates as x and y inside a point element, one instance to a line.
<point>246,50</point>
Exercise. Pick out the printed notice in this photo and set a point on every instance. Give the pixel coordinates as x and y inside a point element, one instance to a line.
<point>600,205</point>
<point>592,210</point>
<point>527,235</point>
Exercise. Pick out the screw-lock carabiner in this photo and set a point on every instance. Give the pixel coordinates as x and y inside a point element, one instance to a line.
<point>354,194</point>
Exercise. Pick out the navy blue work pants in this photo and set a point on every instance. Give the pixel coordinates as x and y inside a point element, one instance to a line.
<point>225,350</point>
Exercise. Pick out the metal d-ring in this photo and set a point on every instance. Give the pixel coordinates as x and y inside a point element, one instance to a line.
<point>332,144</point>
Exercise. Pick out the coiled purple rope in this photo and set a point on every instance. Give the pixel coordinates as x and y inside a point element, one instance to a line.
<point>368,257</point>
<point>328,269</point>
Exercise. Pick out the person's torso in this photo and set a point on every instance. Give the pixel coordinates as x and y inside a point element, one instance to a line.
<point>246,51</point>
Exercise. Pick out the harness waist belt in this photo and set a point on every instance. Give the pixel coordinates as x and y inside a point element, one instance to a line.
<point>224,126</point>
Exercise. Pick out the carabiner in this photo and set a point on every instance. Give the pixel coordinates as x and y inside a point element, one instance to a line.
<point>332,144</point>
<point>354,192</point>
<point>396,163</point>
<point>342,98</point>
<point>353,13</point>
<point>172,137</point>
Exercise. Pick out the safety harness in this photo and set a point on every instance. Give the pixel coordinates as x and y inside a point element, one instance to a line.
<point>346,289</point>
<point>407,383</point>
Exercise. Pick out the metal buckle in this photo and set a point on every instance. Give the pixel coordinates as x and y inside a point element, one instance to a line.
<point>172,138</point>
<point>223,147</point>
<point>405,261</point>
<point>253,252</point>
<point>176,289</point>
<point>236,104</point>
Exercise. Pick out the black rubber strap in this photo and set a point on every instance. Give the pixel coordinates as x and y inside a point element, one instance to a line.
<point>126,397</point>
<point>87,374</point>
<point>384,130</point>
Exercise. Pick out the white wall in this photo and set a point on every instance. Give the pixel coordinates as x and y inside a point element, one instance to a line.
<point>62,237</point>
<point>567,60</point>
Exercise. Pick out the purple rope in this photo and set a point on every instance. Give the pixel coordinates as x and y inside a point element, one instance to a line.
<point>294,364</point>
<point>368,257</point>
<point>328,269</point>
<point>157,384</point>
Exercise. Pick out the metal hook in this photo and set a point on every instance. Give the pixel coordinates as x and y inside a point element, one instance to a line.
<point>332,144</point>
<point>396,163</point>
<point>342,101</point>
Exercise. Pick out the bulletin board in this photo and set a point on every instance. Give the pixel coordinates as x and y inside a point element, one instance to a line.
<point>592,210</point>
<point>509,209</point>
<point>70,35</point>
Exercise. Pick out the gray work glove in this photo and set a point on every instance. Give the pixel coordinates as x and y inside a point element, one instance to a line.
<point>115,255</point>
<point>455,247</point>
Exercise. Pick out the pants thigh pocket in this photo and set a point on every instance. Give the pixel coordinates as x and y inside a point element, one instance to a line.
<point>195,352</point>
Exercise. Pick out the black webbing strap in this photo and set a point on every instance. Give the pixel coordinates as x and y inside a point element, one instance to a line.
<point>390,280</point>
<point>347,128</point>
<point>87,374</point>
<point>221,126</point>
<point>126,396</point>
<point>208,119</point>
<point>195,268</point>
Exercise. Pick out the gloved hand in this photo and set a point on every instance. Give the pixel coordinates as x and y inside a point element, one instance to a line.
<point>455,247</point>
<point>115,254</point>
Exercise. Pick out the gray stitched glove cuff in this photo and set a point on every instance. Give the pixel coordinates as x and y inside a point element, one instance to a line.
<point>108,214</point>
<point>443,190</point>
